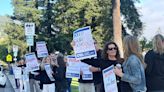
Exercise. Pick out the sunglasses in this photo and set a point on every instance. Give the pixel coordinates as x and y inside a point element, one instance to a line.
<point>112,48</point>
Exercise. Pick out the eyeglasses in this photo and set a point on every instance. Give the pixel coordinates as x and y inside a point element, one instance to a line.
<point>112,48</point>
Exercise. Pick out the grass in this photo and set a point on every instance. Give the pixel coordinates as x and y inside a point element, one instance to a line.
<point>75,85</point>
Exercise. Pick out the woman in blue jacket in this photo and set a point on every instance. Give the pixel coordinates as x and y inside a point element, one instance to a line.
<point>133,66</point>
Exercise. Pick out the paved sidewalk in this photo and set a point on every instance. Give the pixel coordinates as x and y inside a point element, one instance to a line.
<point>12,81</point>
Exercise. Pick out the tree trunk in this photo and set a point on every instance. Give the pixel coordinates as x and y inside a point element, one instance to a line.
<point>117,31</point>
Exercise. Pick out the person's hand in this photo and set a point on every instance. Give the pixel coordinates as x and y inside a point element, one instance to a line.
<point>73,43</point>
<point>93,69</point>
<point>118,71</point>
<point>65,59</point>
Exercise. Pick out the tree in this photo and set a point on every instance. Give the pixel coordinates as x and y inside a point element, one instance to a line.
<point>69,15</point>
<point>117,30</point>
<point>145,44</point>
<point>131,16</point>
<point>15,36</point>
<point>73,14</point>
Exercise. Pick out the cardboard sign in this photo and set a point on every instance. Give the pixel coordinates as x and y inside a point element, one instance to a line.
<point>31,62</point>
<point>109,78</point>
<point>41,49</point>
<point>84,44</point>
<point>73,68</point>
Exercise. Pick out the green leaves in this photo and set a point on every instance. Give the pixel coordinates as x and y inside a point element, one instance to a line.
<point>131,16</point>
<point>67,16</point>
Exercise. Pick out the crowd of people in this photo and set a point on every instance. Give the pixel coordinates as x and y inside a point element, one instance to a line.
<point>137,73</point>
<point>40,81</point>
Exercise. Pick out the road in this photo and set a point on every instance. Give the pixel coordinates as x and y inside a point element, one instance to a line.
<point>7,88</point>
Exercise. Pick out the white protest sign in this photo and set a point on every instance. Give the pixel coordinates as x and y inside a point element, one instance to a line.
<point>29,29</point>
<point>84,44</point>
<point>31,62</point>
<point>41,49</point>
<point>25,75</point>
<point>17,72</point>
<point>49,72</point>
<point>87,74</point>
<point>73,68</point>
<point>109,78</point>
<point>30,40</point>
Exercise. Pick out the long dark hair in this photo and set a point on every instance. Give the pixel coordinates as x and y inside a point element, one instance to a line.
<point>104,53</point>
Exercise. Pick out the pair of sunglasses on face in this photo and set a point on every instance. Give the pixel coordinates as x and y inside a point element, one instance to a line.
<point>114,48</point>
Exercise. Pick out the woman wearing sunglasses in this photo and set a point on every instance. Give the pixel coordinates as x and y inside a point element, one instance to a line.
<point>110,56</point>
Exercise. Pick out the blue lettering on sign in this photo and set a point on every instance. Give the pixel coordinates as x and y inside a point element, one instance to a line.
<point>87,75</point>
<point>109,68</point>
<point>73,74</point>
<point>87,53</point>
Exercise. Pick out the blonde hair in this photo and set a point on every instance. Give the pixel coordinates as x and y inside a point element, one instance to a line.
<point>131,46</point>
<point>158,46</point>
<point>52,63</point>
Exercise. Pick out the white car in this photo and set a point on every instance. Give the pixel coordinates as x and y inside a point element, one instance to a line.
<point>3,77</point>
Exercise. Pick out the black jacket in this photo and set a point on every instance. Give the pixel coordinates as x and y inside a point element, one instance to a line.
<point>44,79</point>
<point>154,71</point>
<point>103,64</point>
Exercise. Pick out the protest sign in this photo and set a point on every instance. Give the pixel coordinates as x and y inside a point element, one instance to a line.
<point>109,78</point>
<point>49,72</point>
<point>84,44</point>
<point>41,49</point>
<point>87,74</point>
<point>31,62</point>
<point>73,67</point>
<point>25,75</point>
<point>17,72</point>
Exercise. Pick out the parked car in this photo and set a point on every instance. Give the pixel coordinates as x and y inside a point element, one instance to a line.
<point>3,77</point>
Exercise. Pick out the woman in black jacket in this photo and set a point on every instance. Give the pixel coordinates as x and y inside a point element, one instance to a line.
<point>110,56</point>
<point>155,62</point>
<point>61,82</point>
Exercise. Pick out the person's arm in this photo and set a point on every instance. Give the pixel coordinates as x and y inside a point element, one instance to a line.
<point>135,69</point>
<point>95,69</point>
<point>93,62</point>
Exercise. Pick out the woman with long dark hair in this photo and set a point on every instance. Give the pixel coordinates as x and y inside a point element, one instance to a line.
<point>110,56</point>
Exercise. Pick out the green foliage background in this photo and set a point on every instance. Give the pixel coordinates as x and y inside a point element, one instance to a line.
<point>67,16</point>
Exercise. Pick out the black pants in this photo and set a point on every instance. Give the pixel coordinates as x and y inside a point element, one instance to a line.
<point>17,83</point>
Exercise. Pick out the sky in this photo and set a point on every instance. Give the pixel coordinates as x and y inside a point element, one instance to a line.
<point>152,15</point>
<point>6,7</point>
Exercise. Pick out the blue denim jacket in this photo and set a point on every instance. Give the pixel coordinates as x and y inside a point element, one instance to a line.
<point>134,74</point>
